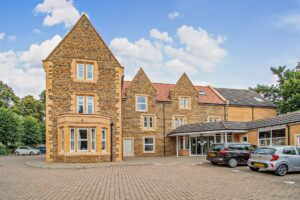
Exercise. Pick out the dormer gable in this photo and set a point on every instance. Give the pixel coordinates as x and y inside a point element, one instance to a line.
<point>141,84</point>
<point>184,87</point>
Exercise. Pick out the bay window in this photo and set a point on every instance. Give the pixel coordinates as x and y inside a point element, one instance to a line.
<point>103,140</point>
<point>93,139</point>
<point>72,139</point>
<point>82,140</point>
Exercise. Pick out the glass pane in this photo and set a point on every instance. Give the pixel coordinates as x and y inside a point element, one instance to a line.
<point>278,133</point>
<point>181,142</point>
<point>141,106</point>
<point>264,142</point>
<point>289,151</point>
<point>83,145</point>
<point>176,122</point>
<point>93,134</point>
<point>83,134</point>
<point>80,102</point>
<point>187,142</point>
<point>80,71</point>
<point>103,145</point>
<point>90,102</point>
<point>90,69</point>
<point>278,141</point>
<point>141,99</point>
<point>150,122</point>
<point>145,122</point>
<point>181,121</point>
<point>264,134</point>
<point>72,145</point>
<point>148,140</point>
<point>103,134</point>
<point>148,147</point>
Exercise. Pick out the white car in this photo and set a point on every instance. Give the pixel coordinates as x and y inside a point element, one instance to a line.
<point>25,150</point>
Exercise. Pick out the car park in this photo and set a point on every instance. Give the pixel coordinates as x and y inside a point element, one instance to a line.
<point>280,159</point>
<point>42,148</point>
<point>231,154</point>
<point>26,150</point>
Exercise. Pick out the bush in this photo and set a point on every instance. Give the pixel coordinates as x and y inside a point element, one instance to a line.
<point>4,150</point>
<point>9,127</point>
<point>31,134</point>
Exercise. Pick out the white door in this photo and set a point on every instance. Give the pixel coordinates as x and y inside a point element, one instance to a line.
<point>128,147</point>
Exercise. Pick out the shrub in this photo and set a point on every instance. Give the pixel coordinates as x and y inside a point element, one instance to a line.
<point>4,150</point>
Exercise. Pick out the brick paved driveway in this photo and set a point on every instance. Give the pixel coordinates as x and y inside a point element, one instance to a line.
<point>168,178</point>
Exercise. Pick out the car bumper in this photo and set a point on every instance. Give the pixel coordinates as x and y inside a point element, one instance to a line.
<point>216,160</point>
<point>271,166</point>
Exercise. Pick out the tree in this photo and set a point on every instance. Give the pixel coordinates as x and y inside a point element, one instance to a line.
<point>286,93</point>
<point>7,96</point>
<point>31,131</point>
<point>43,97</point>
<point>9,127</point>
<point>43,132</point>
<point>29,106</point>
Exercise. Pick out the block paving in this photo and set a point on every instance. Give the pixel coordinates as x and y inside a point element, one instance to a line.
<point>142,178</point>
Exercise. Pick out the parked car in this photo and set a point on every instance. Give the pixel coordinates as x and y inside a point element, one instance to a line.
<point>26,150</point>
<point>280,159</point>
<point>42,148</point>
<point>231,154</point>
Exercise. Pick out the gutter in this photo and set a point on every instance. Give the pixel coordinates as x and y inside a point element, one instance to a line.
<point>164,128</point>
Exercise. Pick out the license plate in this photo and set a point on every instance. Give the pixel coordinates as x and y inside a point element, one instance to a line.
<point>212,154</point>
<point>259,164</point>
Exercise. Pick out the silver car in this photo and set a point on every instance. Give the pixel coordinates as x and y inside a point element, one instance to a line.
<point>280,159</point>
<point>25,150</point>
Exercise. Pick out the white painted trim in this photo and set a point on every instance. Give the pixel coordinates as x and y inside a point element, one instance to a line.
<point>271,128</point>
<point>208,132</point>
<point>176,146</point>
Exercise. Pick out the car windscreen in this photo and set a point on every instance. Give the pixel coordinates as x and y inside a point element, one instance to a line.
<point>217,147</point>
<point>264,151</point>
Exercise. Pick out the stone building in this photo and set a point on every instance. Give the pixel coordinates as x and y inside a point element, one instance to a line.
<point>93,115</point>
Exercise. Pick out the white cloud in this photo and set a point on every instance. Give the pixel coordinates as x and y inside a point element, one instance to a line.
<point>173,15</point>
<point>194,51</point>
<point>37,31</point>
<point>23,70</point>
<point>37,52</point>
<point>58,11</point>
<point>164,36</point>
<point>200,49</point>
<point>141,53</point>
<point>2,35</point>
<point>291,20</point>
<point>12,37</point>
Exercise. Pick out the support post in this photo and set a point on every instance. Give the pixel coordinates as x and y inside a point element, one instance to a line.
<point>176,146</point>
<point>225,137</point>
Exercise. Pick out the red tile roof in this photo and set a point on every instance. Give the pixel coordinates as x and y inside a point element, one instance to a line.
<point>163,91</point>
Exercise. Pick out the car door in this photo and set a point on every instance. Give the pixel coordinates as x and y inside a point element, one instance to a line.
<point>26,150</point>
<point>292,157</point>
<point>243,153</point>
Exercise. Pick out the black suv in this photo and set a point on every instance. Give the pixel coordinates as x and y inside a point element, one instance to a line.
<point>231,154</point>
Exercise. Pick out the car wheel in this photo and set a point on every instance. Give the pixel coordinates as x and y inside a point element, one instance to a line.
<point>232,162</point>
<point>281,170</point>
<point>31,153</point>
<point>17,153</point>
<point>254,169</point>
<point>214,163</point>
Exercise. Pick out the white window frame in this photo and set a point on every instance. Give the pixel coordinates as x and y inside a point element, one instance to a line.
<point>153,144</point>
<point>178,121</point>
<point>62,140</point>
<point>72,131</point>
<point>78,97</point>
<point>93,140</point>
<point>81,65</point>
<point>79,140</point>
<point>137,103</point>
<point>87,71</point>
<point>271,135</point>
<point>103,139</point>
<point>87,104</point>
<point>148,120</point>
<point>184,102</point>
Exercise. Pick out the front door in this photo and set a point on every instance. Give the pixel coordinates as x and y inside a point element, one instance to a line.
<point>128,147</point>
<point>200,145</point>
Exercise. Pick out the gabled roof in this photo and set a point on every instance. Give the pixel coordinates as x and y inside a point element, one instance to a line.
<point>289,118</point>
<point>163,93</point>
<point>242,97</point>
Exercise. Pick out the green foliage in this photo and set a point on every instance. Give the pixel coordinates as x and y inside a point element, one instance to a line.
<point>9,127</point>
<point>29,106</point>
<point>285,94</point>
<point>43,132</point>
<point>43,97</point>
<point>31,131</point>
<point>4,150</point>
<point>7,96</point>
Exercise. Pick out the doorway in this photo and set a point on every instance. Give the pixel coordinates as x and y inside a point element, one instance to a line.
<point>200,145</point>
<point>128,147</point>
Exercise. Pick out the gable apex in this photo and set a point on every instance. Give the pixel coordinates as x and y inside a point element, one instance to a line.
<point>185,80</point>
<point>83,21</point>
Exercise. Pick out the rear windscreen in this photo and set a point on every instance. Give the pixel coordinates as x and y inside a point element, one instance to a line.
<point>264,151</point>
<point>217,147</point>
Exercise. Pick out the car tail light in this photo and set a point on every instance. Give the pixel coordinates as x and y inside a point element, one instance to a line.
<point>274,157</point>
<point>223,152</point>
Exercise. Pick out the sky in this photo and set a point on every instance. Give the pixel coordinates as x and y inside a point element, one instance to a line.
<point>228,43</point>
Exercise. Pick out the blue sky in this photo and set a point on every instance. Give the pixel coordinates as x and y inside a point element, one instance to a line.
<point>229,43</point>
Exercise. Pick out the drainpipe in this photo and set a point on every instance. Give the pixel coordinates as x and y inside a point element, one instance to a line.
<point>164,128</point>
<point>289,134</point>
<point>111,141</point>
